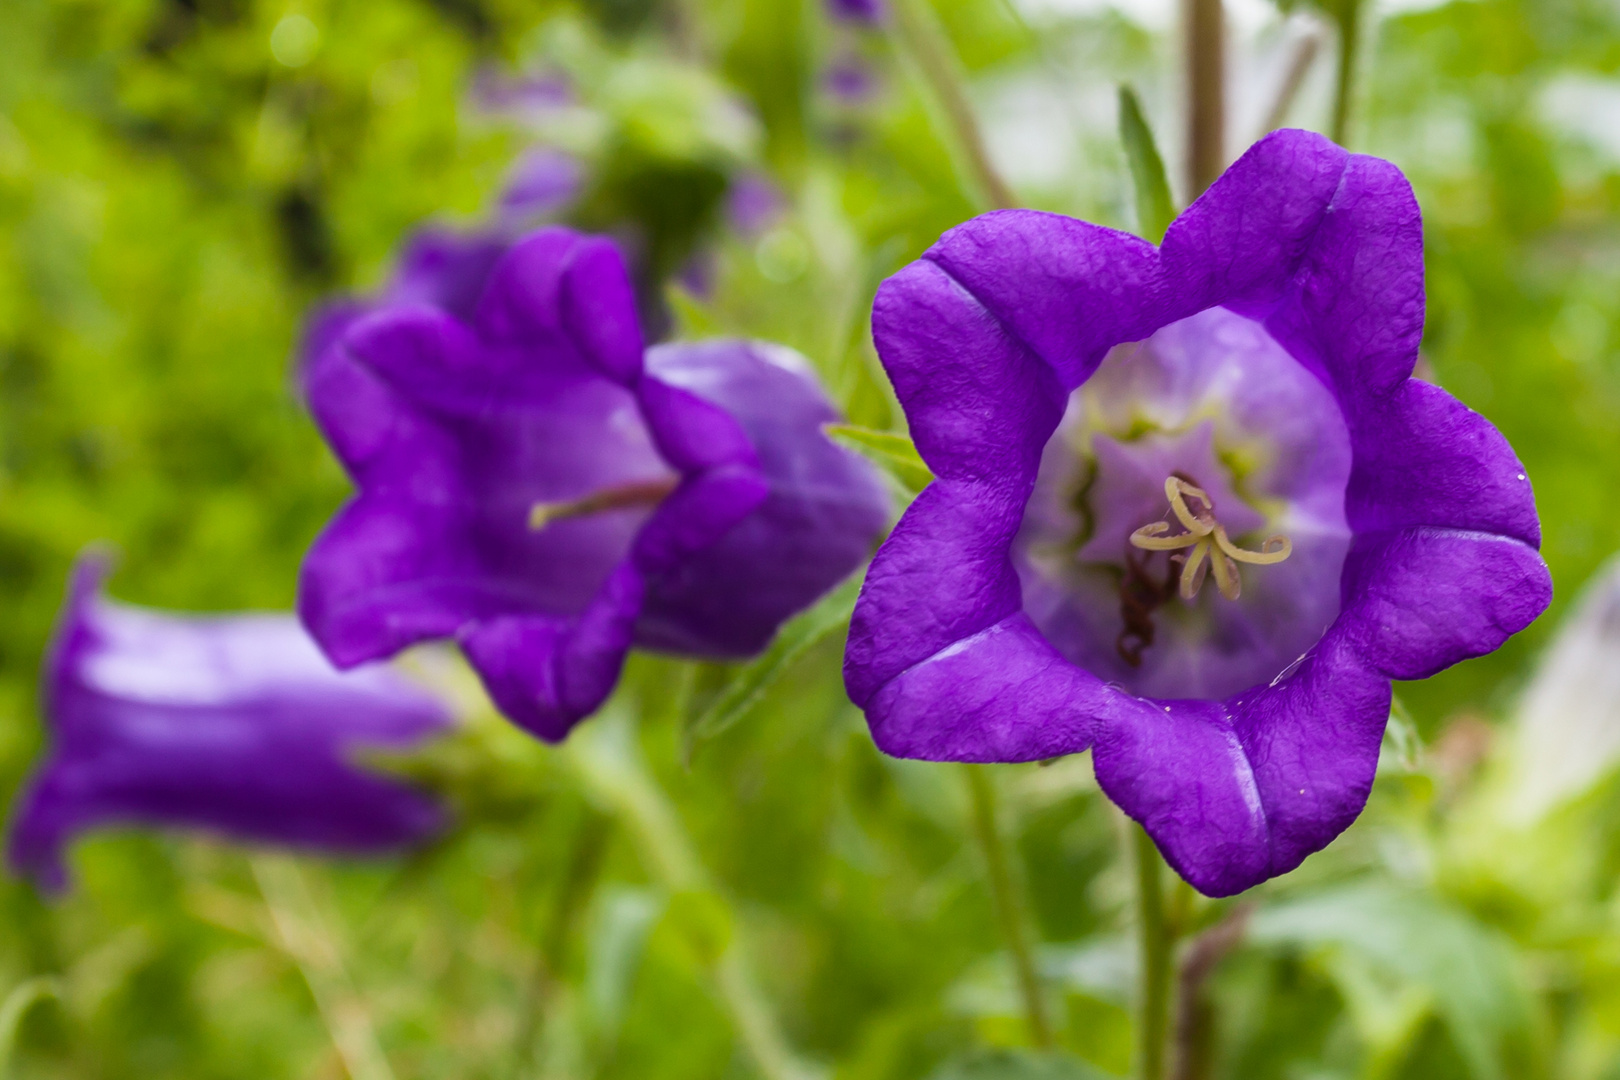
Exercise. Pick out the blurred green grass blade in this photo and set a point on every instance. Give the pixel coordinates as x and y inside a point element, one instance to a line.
<point>1154,210</point>
<point>1016,1065</point>
<point>16,1005</point>
<point>896,454</point>
<point>751,681</point>
<point>618,941</point>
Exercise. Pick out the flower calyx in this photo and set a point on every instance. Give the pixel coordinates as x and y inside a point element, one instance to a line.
<point>1212,549</point>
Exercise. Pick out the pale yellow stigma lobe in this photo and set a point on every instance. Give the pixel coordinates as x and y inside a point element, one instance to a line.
<point>1212,550</point>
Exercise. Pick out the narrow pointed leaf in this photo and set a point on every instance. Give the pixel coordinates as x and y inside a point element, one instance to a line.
<point>894,453</point>
<point>751,681</point>
<point>1154,210</point>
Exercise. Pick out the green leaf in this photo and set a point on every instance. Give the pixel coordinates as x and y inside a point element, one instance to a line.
<point>751,681</point>
<point>1427,949</point>
<point>894,453</point>
<point>1154,210</point>
<point>1016,1065</point>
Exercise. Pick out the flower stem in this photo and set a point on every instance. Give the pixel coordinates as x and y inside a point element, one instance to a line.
<point>1009,911</point>
<point>303,933</point>
<point>1155,936</point>
<point>562,924</point>
<point>1349,20</point>
<point>1206,93</point>
<point>23,997</point>
<point>1195,1017</point>
<point>1301,55</point>
<point>605,756</point>
<point>920,36</point>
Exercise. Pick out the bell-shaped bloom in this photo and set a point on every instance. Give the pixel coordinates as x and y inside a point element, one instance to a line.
<point>538,486</point>
<point>870,12</point>
<point>541,185</point>
<point>1192,510</point>
<point>234,724</point>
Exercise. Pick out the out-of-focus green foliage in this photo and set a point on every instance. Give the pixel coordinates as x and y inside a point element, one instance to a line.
<point>181,179</point>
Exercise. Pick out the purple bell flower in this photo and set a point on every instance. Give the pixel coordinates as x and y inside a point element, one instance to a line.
<point>1115,429</point>
<point>234,724</point>
<point>542,183</point>
<point>521,94</point>
<point>870,12</point>
<point>538,486</point>
<point>850,79</point>
<point>753,202</point>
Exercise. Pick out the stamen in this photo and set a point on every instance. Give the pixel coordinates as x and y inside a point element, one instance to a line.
<point>1200,524</point>
<point>636,493</point>
<point>1192,571</point>
<point>1212,549</point>
<point>1273,550</point>
<point>1152,538</point>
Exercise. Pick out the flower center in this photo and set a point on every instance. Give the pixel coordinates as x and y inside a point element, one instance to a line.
<point>1212,548</point>
<point>1174,449</point>
<point>635,494</point>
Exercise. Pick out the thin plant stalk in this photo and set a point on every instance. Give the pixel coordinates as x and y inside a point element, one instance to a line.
<point>1301,56</point>
<point>920,36</point>
<point>545,978</point>
<point>1156,943</point>
<point>1009,908</point>
<point>605,756</point>
<point>23,997</point>
<point>306,938</point>
<point>1195,1017</point>
<point>1205,28</point>
<point>1349,18</point>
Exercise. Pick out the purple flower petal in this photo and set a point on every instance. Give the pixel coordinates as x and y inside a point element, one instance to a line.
<point>1427,598</point>
<point>1238,791</point>
<point>1428,459</point>
<point>820,519</point>
<point>1003,694</point>
<point>234,724</point>
<point>870,12</point>
<point>543,181</point>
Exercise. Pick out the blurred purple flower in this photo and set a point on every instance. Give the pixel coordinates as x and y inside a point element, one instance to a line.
<point>234,724</point>
<point>497,92</point>
<point>537,486</point>
<point>858,11</point>
<point>1045,594</point>
<point>698,273</point>
<point>753,203</point>
<point>542,183</point>
<point>850,78</point>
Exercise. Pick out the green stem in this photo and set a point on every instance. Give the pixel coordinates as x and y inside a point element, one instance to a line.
<point>920,36</point>
<point>605,756</point>
<point>562,924</point>
<point>1349,20</point>
<point>1154,931</point>
<point>23,997</point>
<point>1206,93</point>
<point>1009,911</point>
<point>1299,65</point>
